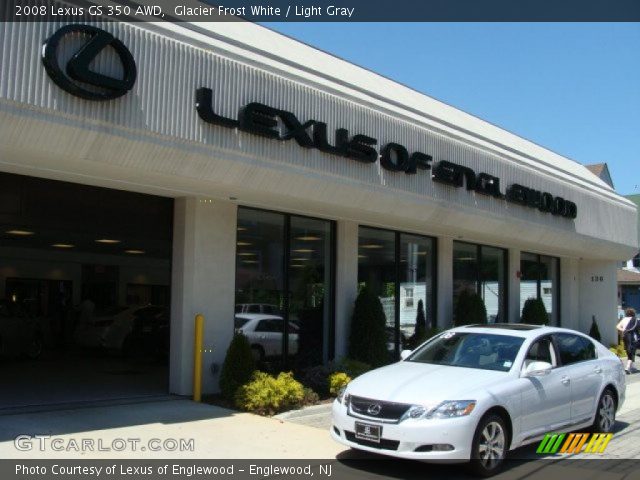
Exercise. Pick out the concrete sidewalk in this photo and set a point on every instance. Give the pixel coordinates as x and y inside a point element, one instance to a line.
<point>217,432</point>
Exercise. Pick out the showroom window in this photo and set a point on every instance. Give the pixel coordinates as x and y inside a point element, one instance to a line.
<point>400,269</point>
<point>540,278</point>
<point>284,288</point>
<point>482,269</point>
<point>636,261</point>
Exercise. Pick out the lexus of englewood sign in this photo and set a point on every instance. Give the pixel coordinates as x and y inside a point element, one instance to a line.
<point>261,119</point>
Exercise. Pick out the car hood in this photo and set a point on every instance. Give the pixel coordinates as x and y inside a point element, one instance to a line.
<point>424,384</point>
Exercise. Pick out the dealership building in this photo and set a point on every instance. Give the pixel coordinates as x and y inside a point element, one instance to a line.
<point>227,170</point>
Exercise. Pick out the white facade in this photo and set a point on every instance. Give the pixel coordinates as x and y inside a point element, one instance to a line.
<point>152,140</point>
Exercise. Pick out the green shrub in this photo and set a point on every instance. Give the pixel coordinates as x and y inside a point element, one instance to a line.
<point>618,350</point>
<point>469,309</point>
<point>338,380</point>
<point>351,367</point>
<point>237,367</point>
<point>310,397</point>
<point>534,312</point>
<point>368,338</point>
<point>267,395</point>
<point>420,332</point>
<point>315,378</point>
<point>594,332</point>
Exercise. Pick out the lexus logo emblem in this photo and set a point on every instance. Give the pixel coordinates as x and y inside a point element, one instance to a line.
<point>76,77</point>
<point>374,409</point>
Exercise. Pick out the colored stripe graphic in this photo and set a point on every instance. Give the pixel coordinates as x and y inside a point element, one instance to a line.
<point>598,442</point>
<point>574,443</point>
<point>550,443</point>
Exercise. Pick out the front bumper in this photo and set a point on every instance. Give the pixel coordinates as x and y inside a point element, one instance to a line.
<point>403,439</point>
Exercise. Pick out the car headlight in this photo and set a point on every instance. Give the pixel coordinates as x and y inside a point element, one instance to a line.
<point>448,409</point>
<point>342,396</point>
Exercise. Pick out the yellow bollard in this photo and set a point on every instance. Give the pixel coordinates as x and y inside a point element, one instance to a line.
<point>197,358</point>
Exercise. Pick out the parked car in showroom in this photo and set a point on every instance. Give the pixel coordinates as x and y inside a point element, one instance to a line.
<point>20,332</point>
<point>139,330</point>
<point>474,393</point>
<point>265,332</point>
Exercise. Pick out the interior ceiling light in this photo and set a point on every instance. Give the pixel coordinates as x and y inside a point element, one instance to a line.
<point>242,229</point>
<point>297,266</point>
<point>308,238</point>
<point>135,252</point>
<point>371,246</point>
<point>465,259</point>
<point>22,233</point>
<point>303,250</point>
<point>246,254</point>
<point>300,259</point>
<point>249,261</point>
<point>244,244</point>
<point>363,256</point>
<point>109,241</point>
<point>62,245</point>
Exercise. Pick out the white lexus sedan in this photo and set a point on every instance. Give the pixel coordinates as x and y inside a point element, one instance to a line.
<point>473,393</point>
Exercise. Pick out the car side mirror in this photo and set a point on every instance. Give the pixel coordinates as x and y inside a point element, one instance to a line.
<point>537,369</point>
<point>404,354</point>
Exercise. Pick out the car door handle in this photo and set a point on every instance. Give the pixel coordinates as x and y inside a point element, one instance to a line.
<point>597,370</point>
<point>565,380</point>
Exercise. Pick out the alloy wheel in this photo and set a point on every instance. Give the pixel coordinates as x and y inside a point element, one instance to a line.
<point>492,445</point>
<point>606,412</point>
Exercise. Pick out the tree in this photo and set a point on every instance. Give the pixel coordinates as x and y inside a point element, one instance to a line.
<point>594,332</point>
<point>534,312</point>
<point>469,309</point>
<point>368,338</point>
<point>420,333</point>
<point>237,367</point>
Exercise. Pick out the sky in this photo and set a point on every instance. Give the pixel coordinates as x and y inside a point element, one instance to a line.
<point>573,88</point>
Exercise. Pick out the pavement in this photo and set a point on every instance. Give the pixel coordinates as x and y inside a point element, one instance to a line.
<point>220,433</point>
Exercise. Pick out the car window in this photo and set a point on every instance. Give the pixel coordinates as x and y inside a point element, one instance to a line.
<point>238,308</point>
<point>574,348</point>
<point>240,322</point>
<point>253,308</point>
<point>470,350</point>
<point>271,325</point>
<point>541,351</point>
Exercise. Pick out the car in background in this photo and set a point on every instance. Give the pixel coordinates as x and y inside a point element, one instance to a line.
<point>257,308</point>
<point>265,334</point>
<point>20,332</point>
<point>138,330</point>
<point>91,326</point>
<point>473,393</point>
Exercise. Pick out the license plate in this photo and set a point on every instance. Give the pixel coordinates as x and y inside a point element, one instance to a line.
<point>370,433</point>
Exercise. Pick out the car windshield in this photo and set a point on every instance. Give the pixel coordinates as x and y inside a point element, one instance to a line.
<point>471,350</point>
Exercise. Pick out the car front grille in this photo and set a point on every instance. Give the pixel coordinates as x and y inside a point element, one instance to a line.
<point>376,409</point>
<point>384,444</point>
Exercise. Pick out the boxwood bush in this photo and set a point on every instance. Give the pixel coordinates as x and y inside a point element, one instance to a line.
<point>469,309</point>
<point>534,312</point>
<point>237,367</point>
<point>368,338</point>
<point>268,395</point>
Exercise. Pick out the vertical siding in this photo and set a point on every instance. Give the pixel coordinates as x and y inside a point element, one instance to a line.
<point>161,105</point>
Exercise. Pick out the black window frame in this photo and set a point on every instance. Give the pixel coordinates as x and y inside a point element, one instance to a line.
<point>478,272</point>
<point>397,273</point>
<point>286,245</point>
<point>556,301</point>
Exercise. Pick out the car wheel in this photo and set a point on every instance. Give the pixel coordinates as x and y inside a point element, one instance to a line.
<point>489,446</point>
<point>605,413</point>
<point>34,349</point>
<point>258,353</point>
